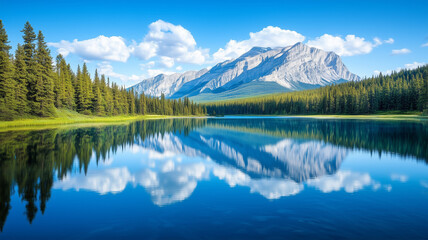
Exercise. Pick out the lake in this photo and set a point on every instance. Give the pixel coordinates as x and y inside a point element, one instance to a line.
<point>217,178</point>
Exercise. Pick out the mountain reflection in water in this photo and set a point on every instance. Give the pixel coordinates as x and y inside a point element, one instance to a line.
<point>272,157</point>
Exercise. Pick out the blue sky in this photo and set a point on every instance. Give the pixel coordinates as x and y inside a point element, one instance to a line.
<point>133,40</point>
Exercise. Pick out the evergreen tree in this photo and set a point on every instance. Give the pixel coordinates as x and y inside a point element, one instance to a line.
<point>21,76</point>
<point>98,102</point>
<point>59,88</point>
<point>30,62</point>
<point>108,97</point>
<point>7,85</point>
<point>86,91</point>
<point>45,75</point>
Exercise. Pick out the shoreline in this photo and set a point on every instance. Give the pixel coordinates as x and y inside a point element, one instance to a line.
<point>41,123</point>
<point>396,117</point>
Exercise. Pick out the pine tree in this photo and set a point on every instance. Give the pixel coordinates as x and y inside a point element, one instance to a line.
<point>131,102</point>
<point>7,85</point>
<point>67,75</point>
<point>45,75</point>
<point>21,76</point>
<point>79,90</point>
<point>86,88</point>
<point>98,102</point>
<point>143,107</point>
<point>59,83</point>
<point>30,62</point>
<point>108,97</point>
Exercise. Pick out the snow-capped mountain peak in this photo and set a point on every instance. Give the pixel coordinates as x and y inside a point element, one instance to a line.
<point>261,70</point>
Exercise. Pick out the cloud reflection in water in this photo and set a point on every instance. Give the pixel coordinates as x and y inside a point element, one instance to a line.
<point>172,166</point>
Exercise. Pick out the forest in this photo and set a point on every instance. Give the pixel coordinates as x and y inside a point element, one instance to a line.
<point>32,85</point>
<point>404,91</point>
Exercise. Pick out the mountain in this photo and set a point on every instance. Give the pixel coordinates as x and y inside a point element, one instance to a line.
<point>259,71</point>
<point>258,157</point>
<point>167,84</point>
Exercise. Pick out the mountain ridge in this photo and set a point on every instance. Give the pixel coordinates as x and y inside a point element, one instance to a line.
<point>291,68</point>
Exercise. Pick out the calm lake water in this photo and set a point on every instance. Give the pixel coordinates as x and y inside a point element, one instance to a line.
<point>220,178</point>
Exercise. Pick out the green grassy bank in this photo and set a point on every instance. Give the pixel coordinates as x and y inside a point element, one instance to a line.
<point>71,117</point>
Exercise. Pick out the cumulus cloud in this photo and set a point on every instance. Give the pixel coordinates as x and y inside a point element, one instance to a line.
<point>270,188</point>
<point>409,66</point>
<point>268,37</point>
<point>349,181</point>
<point>400,51</point>
<point>389,41</point>
<point>399,177</point>
<point>167,62</point>
<point>349,46</point>
<point>155,72</point>
<point>107,69</point>
<point>101,181</point>
<point>99,48</point>
<point>414,65</point>
<point>171,43</point>
<point>173,182</point>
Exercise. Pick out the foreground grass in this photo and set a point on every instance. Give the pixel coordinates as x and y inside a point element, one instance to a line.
<point>70,117</point>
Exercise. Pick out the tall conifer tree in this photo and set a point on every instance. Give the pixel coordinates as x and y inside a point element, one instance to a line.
<point>7,99</point>
<point>45,75</point>
<point>20,76</point>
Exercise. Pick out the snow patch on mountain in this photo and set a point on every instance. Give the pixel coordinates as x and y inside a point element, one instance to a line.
<point>295,67</point>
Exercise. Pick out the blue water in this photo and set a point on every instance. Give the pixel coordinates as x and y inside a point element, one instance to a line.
<point>233,178</point>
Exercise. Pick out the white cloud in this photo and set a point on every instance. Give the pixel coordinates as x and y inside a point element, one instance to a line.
<point>144,50</point>
<point>174,42</point>
<point>275,188</point>
<point>414,65</point>
<point>350,46</point>
<point>399,177</point>
<point>268,37</point>
<point>101,181</point>
<point>425,45</point>
<point>168,166</point>
<point>270,188</point>
<point>377,41</point>
<point>349,181</point>
<point>99,48</point>
<point>409,66</point>
<point>173,182</point>
<point>389,41</point>
<point>400,51</point>
<point>167,62</point>
<point>150,64</point>
<point>155,72</point>
<point>388,187</point>
<point>107,69</point>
